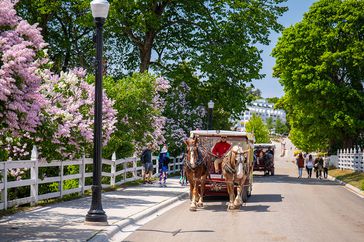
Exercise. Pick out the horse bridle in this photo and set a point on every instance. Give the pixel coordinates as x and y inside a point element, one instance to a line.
<point>231,170</point>
<point>199,160</point>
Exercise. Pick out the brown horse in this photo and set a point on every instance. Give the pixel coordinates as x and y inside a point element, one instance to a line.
<point>235,168</point>
<point>196,171</point>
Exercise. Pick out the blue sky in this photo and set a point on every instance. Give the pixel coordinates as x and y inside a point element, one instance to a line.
<point>270,86</point>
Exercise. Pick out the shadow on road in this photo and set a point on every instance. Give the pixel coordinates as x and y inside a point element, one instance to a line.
<point>292,180</point>
<point>256,198</point>
<point>175,232</point>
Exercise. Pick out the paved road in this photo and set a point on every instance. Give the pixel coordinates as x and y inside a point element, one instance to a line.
<point>282,208</point>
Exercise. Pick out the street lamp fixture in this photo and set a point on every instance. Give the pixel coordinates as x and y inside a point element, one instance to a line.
<point>96,215</point>
<point>210,105</point>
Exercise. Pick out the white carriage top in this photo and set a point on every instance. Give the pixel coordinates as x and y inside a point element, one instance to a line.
<point>219,133</point>
<point>264,145</point>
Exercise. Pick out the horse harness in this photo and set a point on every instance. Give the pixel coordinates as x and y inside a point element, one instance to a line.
<point>199,161</point>
<point>227,167</point>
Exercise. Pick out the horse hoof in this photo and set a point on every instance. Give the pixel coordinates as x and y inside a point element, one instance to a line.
<point>231,207</point>
<point>237,204</point>
<point>193,209</point>
<point>200,205</point>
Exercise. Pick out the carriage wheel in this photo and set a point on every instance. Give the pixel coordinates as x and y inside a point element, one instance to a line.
<point>249,191</point>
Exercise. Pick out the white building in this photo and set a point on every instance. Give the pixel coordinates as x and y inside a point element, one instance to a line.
<point>263,109</point>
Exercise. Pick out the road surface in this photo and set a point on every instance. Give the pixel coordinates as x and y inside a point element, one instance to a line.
<point>282,208</point>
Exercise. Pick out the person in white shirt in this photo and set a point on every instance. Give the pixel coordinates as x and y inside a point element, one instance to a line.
<point>309,166</point>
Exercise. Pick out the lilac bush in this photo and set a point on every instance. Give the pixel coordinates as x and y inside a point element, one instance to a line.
<point>21,51</point>
<point>68,116</point>
<point>182,117</point>
<point>161,86</point>
<point>55,112</point>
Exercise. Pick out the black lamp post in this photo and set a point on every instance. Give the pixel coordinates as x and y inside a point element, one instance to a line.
<point>211,107</point>
<point>96,215</point>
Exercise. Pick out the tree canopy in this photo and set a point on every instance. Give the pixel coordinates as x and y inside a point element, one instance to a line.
<point>320,63</point>
<point>216,38</point>
<point>67,27</point>
<point>139,105</point>
<point>256,125</point>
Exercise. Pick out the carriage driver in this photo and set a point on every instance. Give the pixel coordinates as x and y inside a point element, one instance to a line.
<point>219,151</point>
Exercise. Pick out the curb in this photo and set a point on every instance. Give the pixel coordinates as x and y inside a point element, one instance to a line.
<point>353,189</point>
<point>114,229</point>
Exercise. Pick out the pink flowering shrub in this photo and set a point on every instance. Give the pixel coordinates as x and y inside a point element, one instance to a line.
<point>182,117</point>
<point>55,112</point>
<point>157,136</point>
<point>68,116</point>
<point>21,51</point>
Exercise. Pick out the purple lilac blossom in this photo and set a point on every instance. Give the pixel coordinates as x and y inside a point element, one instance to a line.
<point>21,102</point>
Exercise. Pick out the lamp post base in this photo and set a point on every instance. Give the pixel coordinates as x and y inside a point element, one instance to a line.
<point>97,218</point>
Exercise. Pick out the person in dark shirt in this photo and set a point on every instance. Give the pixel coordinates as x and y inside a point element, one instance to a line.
<point>319,162</point>
<point>146,159</point>
<point>163,165</point>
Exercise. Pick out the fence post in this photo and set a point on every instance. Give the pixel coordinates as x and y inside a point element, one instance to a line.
<point>134,168</point>
<point>113,169</point>
<point>124,167</point>
<point>4,193</point>
<point>174,165</point>
<point>61,180</point>
<point>34,176</point>
<point>157,167</point>
<point>82,178</point>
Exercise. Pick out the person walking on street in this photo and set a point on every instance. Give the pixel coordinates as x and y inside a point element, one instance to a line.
<point>163,165</point>
<point>300,164</point>
<point>309,166</point>
<point>326,166</point>
<point>318,164</point>
<point>283,148</point>
<point>146,159</point>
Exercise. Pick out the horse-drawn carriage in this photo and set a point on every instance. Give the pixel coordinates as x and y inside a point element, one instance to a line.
<point>264,158</point>
<point>211,172</point>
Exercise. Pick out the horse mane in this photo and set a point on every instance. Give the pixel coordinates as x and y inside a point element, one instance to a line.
<point>232,157</point>
<point>231,154</point>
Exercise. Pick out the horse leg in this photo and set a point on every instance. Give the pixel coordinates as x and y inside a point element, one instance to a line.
<point>188,177</point>
<point>200,201</point>
<point>193,206</point>
<point>230,188</point>
<point>238,200</point>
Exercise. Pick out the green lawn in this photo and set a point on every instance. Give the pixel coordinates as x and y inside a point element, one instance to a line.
<point>348,176</point>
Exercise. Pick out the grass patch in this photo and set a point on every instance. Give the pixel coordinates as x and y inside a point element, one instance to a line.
<point>14,210</point>
<point>351,177</point>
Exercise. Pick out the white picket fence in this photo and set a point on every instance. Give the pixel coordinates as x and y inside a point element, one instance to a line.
<point>130,172</point>
<point>352,159</point>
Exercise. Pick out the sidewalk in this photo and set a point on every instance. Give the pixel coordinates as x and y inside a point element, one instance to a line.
<point>65,221</point>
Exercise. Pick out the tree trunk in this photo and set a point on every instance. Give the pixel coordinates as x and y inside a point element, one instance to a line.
<point>146,52</point>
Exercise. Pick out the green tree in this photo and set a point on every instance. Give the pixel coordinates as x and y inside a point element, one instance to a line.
<point>260,130</point>
<point>273,100</point>
<point>67,27</point>
<point>217,38</point>
<point>255,93</point>
<point>269,123</point>
<point>133,101</point>
<point>320,63</point>
<point>280,127</point>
